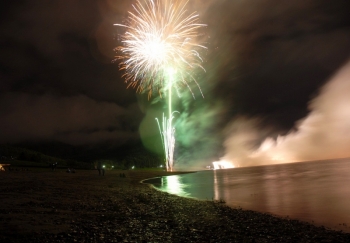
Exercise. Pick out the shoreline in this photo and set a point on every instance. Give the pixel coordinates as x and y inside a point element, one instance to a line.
<point>55,206</point>
<point>340,227</point>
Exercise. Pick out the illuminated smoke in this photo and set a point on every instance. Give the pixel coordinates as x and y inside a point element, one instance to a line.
<point>222,165</point>
<point>323,134</point>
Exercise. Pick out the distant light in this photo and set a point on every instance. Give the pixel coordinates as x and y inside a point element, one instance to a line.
<point>161,166</point>
<point>133,167</point>
<point>222,164</point>
<point>103,166</point>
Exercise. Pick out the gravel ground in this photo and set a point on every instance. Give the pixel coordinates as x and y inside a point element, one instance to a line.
<point>55,206</point>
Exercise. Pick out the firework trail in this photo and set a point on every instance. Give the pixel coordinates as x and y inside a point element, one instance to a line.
<point>167,133</point>
<point>159,52</point>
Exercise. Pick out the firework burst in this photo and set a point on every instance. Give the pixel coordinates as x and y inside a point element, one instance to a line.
<point>160,40</point>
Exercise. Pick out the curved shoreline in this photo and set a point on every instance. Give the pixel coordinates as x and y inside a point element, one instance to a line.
<point>330,218</point>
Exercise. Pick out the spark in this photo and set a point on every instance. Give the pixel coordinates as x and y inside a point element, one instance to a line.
<point>167,133</point>
<point>160,38</point>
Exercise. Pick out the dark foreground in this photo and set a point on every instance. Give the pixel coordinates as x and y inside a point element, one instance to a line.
<point>55,206</point>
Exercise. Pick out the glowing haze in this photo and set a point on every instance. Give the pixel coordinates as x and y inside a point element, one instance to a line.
<point>323,134</point>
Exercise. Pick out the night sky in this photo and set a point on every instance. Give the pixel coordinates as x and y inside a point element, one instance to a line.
<point>266,61</point>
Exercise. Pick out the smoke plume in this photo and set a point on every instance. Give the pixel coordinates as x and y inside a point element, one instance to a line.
<point>323,134</point>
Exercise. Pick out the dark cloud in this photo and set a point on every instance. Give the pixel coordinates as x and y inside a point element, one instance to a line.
<point>61,46</point>
<point>271,58</point>
<point>58,81</point>
<point>75,120</point>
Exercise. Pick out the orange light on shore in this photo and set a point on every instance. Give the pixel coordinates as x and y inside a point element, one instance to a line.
<point>222,164</point>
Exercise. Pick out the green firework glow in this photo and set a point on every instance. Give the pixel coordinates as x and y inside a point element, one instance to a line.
<point>159,52</point>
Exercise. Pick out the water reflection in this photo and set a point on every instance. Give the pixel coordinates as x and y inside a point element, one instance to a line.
<point>174,185</point>
<point>313,191</point>
<point>221,177</point>
<point>189,186</point>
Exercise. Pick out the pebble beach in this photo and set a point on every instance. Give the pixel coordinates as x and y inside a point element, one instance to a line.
<point>56,206</point>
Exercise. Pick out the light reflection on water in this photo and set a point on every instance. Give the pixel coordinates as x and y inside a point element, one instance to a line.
<point>173,184</point>
<point>311,191</point>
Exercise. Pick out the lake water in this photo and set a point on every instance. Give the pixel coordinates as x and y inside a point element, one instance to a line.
<point>316,192</point>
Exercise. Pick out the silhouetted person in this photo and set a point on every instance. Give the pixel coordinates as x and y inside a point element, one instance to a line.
<point>53,166</point>
<point>99,168</point>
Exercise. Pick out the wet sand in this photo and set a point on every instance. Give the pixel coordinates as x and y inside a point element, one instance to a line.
<point>55,206</point>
